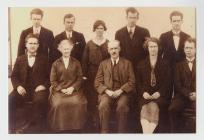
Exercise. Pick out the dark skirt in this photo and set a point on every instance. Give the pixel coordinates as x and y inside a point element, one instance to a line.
<point>67,112</point>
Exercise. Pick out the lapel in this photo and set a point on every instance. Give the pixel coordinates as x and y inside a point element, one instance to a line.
<point>148,70</point>
<point>109,67</point>
<point>181,40</point>
<point>24,66</point>
<point>186,68</point>
<point>127,36</point>
<point>194,70</point>
<point>41,32</point>
<point>171,41</point>
<point>36,64</point>
<point>135,36</point>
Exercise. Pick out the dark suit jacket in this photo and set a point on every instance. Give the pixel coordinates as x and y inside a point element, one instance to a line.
<point>132,49</point>
<point>104,75</point>
<point>169,50</point>
<point>185,80</point>
<point>143,81</point>
<point>40,71</point>
<point>46,39</point>
<point>79,45</point>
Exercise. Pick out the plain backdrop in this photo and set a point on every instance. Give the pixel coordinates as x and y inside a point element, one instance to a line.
<point>156,19</point>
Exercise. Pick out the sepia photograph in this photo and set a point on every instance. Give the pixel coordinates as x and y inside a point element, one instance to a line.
<point>101,70</point>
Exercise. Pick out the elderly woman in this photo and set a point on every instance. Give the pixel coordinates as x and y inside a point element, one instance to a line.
<point>152,80</point>
<point>68,105</point>
<point>95,51</point>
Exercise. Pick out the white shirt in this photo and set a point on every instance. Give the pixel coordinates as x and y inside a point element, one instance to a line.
<point>66,61</point>
<point>31,60</point>
<point>69,34</point>
<point>131,28</point>
<point>117,60</point>
<point>176,39</point>
<point>190,63</point>
<point>36,30</point>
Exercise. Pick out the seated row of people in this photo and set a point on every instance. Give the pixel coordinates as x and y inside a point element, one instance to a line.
<point>114,83</point>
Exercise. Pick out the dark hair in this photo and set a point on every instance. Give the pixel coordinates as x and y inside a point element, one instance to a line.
<point>132,10</point>
<point>98,23</point>
<point>36,11</point>
<point>31,35</point>
<point>191,40</point>
<point>151,39</point>
<point>68,16</point>
<point>176,13</point>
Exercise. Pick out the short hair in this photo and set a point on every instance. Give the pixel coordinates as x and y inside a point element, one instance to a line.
<point>152,39</point>
<point>31,35</point>
<point>98,23</point>
<point>176,13</point>
<point>70,41</point>
<point>132,10</point>
<point>69,16</point>
<point>36,11</point>
<point>191,40</point>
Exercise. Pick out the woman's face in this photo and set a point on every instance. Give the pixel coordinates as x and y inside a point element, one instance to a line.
<point>153,48</point>
<point>99,30</point>
<point>65,48</point>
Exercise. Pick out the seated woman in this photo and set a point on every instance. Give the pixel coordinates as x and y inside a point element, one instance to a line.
<point>68,106</point>
<point>152,81</point>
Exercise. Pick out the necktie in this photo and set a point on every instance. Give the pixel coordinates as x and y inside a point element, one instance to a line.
<point>114,63</point>
<point>153,77</point>
<point>131,33</point>
<point>190,64</point>
<point>32,55</point>
<point>176,34</point>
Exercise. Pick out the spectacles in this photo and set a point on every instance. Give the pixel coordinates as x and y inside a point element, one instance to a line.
<point>33,43</point>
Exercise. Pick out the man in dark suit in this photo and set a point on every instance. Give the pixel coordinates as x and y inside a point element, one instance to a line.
<point>185,88</point>
<point>132,37</point>
<point>77,38</point>
<point>30,80</point>
<point>114,82</point>
<point>172,43</point>
<point>173,40</point>
<point>46,37</point>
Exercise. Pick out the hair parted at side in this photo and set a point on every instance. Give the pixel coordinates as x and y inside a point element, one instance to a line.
<point>36,11</point>
<point>98,23</point>
<point>31,35</point>
<point>69,16</point>
<point>176,13</point>
<point>132,10</point>
<point>151,39</point>
<point>191,40</point>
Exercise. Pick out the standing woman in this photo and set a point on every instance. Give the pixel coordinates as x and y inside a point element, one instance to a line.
<point>68,105</point>
<point>153,75</point>
<point>95,52</point>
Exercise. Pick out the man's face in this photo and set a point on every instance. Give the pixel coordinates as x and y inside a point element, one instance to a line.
<point>132,19</point>
<point>189,49</point>
<point>36,20</point>
<point>114,50</point>
<point>69,23</point>
<point>65,48</point>
<point>153,48</point>
<point>176,23</point>
<point>32,45</point>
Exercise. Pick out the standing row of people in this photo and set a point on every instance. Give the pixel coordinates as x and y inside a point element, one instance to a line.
<point>102,74</point>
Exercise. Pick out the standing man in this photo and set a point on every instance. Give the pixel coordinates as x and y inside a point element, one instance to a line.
<point>30,80</point>
<point>77,38</point>
<point>114,82</point>
<point>172,43</point>
<point>185,87</point>
<point>46,37</point>
<point>132,37</point>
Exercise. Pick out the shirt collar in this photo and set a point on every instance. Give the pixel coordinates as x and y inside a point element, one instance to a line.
<point>28,54</point>
<point>190,60</point>
<point>69,34</point>
<point>117,60</point>
<point>176,33</point>
<point>38,28</point>
<point>132,28</point>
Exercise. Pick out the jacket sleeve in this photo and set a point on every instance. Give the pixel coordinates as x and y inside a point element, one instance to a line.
<point>99,80</point>
<point>77,84</point>
<point>85,61</point>
<point>139,81</point>
<point>15,79</point>
<point>130,85</point>
<point>83,44</point>
<point>21,44</point>
<point>53,78</point>
<point>178,82</point>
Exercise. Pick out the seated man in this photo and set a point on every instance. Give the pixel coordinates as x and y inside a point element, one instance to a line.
<point>185,87</point>
<point>30,80</point>
<point>114,81</point>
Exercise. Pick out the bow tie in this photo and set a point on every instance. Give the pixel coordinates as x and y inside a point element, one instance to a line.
<point>176,34</point>
<point>190,61</point>
<point>32,55</point>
